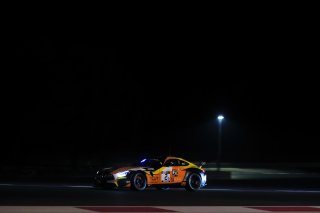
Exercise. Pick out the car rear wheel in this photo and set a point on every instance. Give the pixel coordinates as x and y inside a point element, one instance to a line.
<point>138,181</point>
<point>193,182</point>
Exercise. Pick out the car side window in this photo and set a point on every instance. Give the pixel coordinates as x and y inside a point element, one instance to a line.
<point>171,162</point>
<point>183,163</point>
<point>168,163</point>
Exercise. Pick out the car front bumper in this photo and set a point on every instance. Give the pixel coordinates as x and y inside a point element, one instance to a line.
<point>108,180</point>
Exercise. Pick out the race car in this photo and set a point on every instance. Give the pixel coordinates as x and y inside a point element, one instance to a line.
<point>162,174</point>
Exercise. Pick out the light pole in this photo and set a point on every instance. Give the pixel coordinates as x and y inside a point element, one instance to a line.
<point>220,118</point>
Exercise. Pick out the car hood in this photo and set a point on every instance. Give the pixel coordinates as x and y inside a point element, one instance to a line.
<point>129,168</point>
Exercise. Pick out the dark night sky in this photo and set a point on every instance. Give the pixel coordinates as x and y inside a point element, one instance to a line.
<point>74,96</point>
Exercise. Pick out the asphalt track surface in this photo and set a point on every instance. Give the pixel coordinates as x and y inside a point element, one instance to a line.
<point>223,193</point>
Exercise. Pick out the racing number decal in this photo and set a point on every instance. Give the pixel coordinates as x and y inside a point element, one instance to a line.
<point>165,174</point>
<point>174,172</point>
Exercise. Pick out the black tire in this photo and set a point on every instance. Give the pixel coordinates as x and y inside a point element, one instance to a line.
<point>193,182</point>
<point>138,181</point>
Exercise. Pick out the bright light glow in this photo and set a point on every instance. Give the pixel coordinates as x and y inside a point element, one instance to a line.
<point>204,179</point>
<point>121,174</point>
<point>143,160</point>
<point>220,117</point>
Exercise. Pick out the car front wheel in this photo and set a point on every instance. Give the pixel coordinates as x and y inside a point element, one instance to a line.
<point>138,181</point>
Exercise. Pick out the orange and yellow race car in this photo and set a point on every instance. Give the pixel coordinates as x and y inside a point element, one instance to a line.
<point>162,174</point>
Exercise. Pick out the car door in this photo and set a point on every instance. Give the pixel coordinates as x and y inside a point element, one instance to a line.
<point>179,171</point>
<point>172,172</point>
<point>166,171</point>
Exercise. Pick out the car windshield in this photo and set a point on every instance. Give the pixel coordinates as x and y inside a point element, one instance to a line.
<point>150,163</point>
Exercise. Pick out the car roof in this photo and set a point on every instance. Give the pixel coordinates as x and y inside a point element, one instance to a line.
<point>173,157</point>
<point>165,158</point>
<point>178,158</point>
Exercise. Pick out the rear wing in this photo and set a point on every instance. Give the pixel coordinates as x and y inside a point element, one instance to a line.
<point>202,164</point>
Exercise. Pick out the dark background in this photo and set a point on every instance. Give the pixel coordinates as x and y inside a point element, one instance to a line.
<point>83,97</point>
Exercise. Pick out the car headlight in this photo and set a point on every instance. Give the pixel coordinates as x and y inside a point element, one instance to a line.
<point>121,174</point>
<point>204,179</point>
